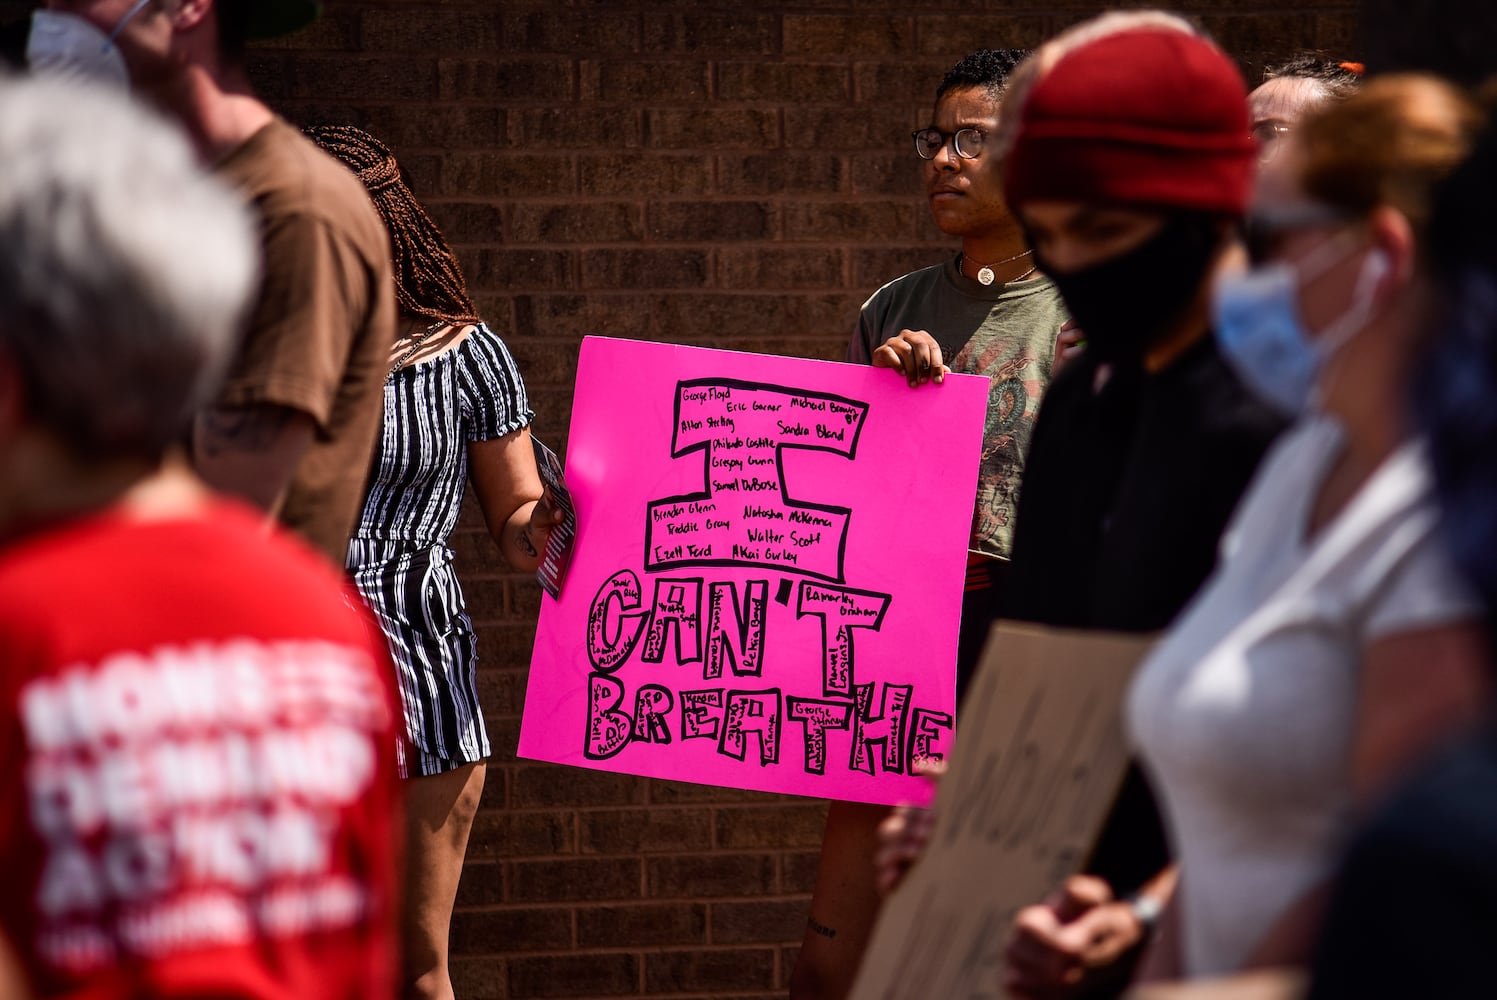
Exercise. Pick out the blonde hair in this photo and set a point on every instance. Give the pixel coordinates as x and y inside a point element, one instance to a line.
<point>1391,143</point>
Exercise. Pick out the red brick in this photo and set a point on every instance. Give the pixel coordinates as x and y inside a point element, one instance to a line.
<point>545,360</point>
<point>857,35</point>
<point>767,922</point>
<point>611,315</point>
<point>710,220</point>
<point>652,924</point>
<point>507,833</point>
<point>862,220</point>
<point>478,978</point>
<point>632,831</point>
<point>876,266</point>
<point>771,826</point>
<point>685,793</point>
<point>779,267</point>
<point>644,268</point>
<point>952,36</point>
<point>727,128</point>
<point>338,77</point>
<point>495,640</point>
<point>450,127</point>
<point>508,79</point>
<point>574,222</point>
<point>467,221</point>
<point>673,81</point>
<point>791,83</point>
<point>502,932</point>
<point>788,957</point>
<point>573,975</point>
<point>701,318</point>
<point>710,969</point>
<point>559,881</point>
<point>508,175</point>
<point>575,128</point>
<point>430,30</point>
<point>646,174</point>
<point>554,30</point>
<point>781,172</point>
<point>524,598</point>
<point>335,30</point>
<point>880,128</point>
<point>800,870</point>
<point>522,270</point>
<point>818,348</point>
<point>912,82</point>
<point>733,33</point>
<point>546,786</point>
<point>482,884</point>
<point>501,693</point>
<point>895,173</point>
<point>709,875</point>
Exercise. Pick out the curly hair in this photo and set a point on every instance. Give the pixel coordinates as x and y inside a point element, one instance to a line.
<point>428,279</point>
<point>986,68</point>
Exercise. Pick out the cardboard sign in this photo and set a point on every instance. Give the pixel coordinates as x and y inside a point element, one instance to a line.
<point>552,572</point>
<point>1037,764</point>
<point>768,572</point>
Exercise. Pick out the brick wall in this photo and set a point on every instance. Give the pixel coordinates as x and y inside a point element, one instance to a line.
<point>735,175</point>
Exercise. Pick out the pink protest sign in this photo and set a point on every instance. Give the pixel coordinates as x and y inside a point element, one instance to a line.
<point>767,576</point>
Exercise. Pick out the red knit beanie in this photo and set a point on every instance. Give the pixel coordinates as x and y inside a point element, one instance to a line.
<point>1145,117</point>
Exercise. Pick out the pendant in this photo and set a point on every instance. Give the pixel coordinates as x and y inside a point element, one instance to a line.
<point>986,275</point>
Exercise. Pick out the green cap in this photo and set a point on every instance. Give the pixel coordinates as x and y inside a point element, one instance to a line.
<point>270,18</point>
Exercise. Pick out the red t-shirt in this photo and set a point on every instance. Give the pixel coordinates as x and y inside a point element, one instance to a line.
<point>197,789</point>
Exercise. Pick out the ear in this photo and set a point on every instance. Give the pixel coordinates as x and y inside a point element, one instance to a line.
<point>186,15</point>
<point>1392,234</point>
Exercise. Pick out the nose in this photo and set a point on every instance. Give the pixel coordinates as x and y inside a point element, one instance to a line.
<point>946,158</point>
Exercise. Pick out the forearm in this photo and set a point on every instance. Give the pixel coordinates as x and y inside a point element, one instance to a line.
<point>521,548</point>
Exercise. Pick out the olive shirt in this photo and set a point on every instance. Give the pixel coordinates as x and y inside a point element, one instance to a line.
<point>1003,331</point>
<point>319,335</point>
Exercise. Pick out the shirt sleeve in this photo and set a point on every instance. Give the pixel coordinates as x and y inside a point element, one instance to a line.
<point>493,387</point>
<point>312,304</point>
<point>1426,591</point>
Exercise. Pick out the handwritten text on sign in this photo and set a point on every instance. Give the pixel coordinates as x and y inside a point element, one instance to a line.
<point>748,605</point>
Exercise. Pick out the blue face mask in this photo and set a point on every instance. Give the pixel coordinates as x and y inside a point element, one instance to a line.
<point>1259,330</point>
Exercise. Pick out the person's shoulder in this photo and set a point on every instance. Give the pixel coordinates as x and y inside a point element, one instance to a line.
<point>913,285</point>
<point>1227,407</point>
<point>286,175</point>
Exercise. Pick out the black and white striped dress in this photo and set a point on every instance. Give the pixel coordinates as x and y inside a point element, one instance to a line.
<point>398,555</point>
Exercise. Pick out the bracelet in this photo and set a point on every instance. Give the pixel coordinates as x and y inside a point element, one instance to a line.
<point>1146,909</point>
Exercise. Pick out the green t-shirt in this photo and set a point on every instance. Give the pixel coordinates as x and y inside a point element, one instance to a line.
<point>1006,332</point>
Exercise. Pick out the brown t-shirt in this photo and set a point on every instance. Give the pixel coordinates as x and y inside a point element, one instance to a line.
<point>319,337</point>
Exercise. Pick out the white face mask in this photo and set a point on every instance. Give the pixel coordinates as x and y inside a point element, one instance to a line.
<point>67,45</point>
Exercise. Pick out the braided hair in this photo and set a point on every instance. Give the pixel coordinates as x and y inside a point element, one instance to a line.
<point>428,279</point>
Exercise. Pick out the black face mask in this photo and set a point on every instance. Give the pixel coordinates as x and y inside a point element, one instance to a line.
<point>1125,304</point>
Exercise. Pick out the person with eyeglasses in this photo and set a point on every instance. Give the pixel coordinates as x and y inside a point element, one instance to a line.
<point>1335,645</point>
<point>985,310</point>
<point>1293,88</point>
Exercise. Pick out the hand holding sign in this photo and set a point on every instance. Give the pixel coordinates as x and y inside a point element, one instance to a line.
<point>738,614</point>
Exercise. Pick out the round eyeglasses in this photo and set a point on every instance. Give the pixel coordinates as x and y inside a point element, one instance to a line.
<point>1268,135</point>
<point>966,141</point>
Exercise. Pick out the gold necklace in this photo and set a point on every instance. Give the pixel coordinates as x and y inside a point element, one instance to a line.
<point>985,273</point>
<point>415,347</point>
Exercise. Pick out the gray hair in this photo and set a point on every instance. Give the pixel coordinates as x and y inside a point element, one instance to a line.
<point>125,269</point>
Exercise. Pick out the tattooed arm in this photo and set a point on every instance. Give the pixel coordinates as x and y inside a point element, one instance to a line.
<point>251,451</point>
